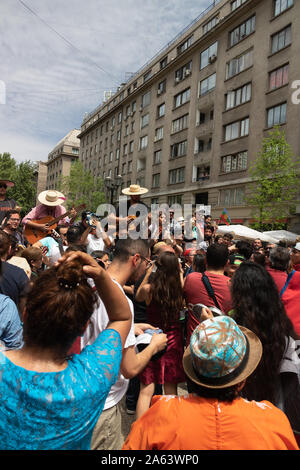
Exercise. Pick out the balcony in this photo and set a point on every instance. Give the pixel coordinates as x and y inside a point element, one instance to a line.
<point>201,180</point>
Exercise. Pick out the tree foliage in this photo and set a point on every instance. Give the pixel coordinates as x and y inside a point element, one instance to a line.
<point>23,175</point>
<point>275,181</point>
<point>80,187</point>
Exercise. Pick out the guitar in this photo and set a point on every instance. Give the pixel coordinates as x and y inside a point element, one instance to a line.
<point>33,235</point>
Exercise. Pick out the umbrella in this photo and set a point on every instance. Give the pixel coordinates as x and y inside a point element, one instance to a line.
<point>241,231</point>
<point>282,234</point>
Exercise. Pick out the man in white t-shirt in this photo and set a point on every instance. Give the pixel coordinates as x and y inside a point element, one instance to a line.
<point>98,240</point>
<point>131,259</point>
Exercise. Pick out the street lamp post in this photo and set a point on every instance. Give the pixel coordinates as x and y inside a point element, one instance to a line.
<point>112,186</point>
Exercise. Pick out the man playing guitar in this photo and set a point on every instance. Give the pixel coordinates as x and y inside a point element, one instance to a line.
<point>50,207</point>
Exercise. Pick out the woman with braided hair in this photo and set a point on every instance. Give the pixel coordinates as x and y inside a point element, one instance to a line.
<point>50,400</point>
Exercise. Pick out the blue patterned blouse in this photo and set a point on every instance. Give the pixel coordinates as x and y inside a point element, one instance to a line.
<point>57,410</point>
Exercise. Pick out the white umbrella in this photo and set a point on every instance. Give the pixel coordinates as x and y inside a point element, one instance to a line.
<point>241,231</point>
<point>283,234</point>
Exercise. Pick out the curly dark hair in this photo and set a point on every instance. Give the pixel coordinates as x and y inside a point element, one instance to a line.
<point>58,307</point>
<point>166,288</point>
<point>257,306</point>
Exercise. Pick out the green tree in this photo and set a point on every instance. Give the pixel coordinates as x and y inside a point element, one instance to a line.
<point>80,187</point>
<point>23,175</point>
<point>275,181</point>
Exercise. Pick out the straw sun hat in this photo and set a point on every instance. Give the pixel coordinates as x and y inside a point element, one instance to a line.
<point>51,198</point>
<point>134,190</point>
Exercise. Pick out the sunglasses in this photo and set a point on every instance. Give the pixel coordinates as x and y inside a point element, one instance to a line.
<point>3,185</point>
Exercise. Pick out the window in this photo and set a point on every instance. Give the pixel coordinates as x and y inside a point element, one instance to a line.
<point>120,117</point>
<point>133,107</point>
<point>154,201</point>
<point>110,157</point>
<point>155,180</point>
<point>242,31</point>
<point>281,39</point>
<point>162,87</point>
<point>141,164</point>
<point>182,97</point>
<point>145,120</point>
<point>236,4</point>
<point>176,176</point>
<point>146,98</point>
<point>125,149</point>
<point>113,121</point>
<point>200,173</point>
<point>279,77</point>
<point>157,157</point>
<point>183,72</point>
<point>237,129</point>
<point>128,110</point>
<point>239,64</point>
<point>129,170</point>
<point>232,197</point>
<point>131,144</point>
<point>117,154</point>
<point>118,136</point>
<point>239,96</point>
<point>143,142</point>
<point>75,151</point>
<point>200,117</point>
<point>123,168</point>
<point>209,55</point>
<point>207,84</point>
<point>179,149</point>
<point>175,199</point>
<point>276,115</point>
<point>235,162</point>
<point>163,62</point>
<point>211,24</point>
<point>180,123</point>
<point>281,5</point>
<point>147,76</point>
<point>141,181</point>
<point>185,45</point>
<point>159,134</point>
<point>161,109</point>
<point>126,130</point>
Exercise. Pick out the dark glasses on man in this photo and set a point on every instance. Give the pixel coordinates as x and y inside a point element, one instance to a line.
<point>2,185</point>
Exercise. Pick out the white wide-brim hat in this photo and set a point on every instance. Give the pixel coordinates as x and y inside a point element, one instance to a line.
<point>51,198</point>
<point>134,190</point>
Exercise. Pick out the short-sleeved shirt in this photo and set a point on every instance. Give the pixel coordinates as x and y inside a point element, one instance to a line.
<point>195,292</point>
<point>98,322</point>
<point>58,410</point>
<point>190,422</point>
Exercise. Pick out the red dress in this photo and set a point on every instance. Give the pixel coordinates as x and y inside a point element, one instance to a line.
<point>168,368</point>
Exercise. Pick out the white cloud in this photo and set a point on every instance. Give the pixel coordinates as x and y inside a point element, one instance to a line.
<point>50,83</point>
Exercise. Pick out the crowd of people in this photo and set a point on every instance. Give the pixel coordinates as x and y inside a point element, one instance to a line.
<point>90,321</point>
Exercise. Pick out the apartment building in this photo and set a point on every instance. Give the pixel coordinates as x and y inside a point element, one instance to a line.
<point>61,158</point>
<point>190,122</point>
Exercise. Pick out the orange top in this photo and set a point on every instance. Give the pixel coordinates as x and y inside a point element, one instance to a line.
<point>190,422</point>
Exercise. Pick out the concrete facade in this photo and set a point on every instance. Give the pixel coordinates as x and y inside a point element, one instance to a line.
<point>61,158</point>
<point>190,122</point>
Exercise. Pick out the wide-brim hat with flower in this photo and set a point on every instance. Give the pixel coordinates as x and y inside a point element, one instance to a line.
<point>221,353</point>
<point>134,190</point>
<point>51,198</point>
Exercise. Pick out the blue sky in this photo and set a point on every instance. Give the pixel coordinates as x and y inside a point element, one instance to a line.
<point>51,78</point>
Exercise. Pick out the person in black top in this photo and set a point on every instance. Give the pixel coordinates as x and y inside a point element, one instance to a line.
<point>5,203</point>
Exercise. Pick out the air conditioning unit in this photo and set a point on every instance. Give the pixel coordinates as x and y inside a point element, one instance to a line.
<point>159,92</point>
<point>212,58</point>
<point>125,118</point>
<point>177,80</point>
<point>111,128</point>
<point>187,72</point>
<point>141,109</point>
